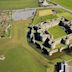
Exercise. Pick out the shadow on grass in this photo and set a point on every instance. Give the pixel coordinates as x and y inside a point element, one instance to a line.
<point>68,51</point>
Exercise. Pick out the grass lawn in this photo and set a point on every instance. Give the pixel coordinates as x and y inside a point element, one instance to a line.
<point>39,19</point>
<point>57,32</point>
<point>66,15</point>
<point>60,45</point>
<point>14,4</point>
<point>70,62</point>
<point>45,12</point>
<point>60,13</point>
<point>20,57</point>
<point>65,3</point>
<point>60,10</point>
<point>71,41</point>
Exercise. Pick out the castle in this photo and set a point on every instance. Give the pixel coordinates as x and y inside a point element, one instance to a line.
<point>39,35</point>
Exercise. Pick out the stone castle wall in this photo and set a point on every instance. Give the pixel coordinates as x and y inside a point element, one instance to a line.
<point>50,24</point>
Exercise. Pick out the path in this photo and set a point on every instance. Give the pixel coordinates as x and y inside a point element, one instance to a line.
<point>64,8</point>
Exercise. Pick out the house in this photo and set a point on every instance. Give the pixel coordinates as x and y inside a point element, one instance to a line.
<point>63,67</point>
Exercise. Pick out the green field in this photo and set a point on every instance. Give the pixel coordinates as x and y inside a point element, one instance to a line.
<point>60,12</point>
<point>65,3</point>
<point>20,57</point>
<point>57,32</point>
<point>14,4</point>
<point>70,62</point>
<point>60,45</point>
<point>39,19</point>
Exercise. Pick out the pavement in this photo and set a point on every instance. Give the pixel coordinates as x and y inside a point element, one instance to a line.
<point>23,14</point>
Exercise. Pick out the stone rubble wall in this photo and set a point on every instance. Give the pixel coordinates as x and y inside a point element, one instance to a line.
<point>53,51</point>
<point>62,48</point>
<point>58,41</point>
<point>70,36</point>
<point>50,52</point>
<point>70,45</point>
<point>50,24</point>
